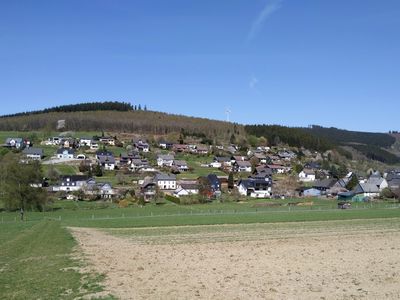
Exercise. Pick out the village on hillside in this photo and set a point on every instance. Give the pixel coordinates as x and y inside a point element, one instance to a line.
<point>124,168</point>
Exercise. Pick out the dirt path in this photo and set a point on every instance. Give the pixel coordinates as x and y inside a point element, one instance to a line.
<point>364,265</point>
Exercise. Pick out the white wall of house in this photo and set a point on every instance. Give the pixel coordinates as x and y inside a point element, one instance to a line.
<point>306,177</point>
<point>167,184</point>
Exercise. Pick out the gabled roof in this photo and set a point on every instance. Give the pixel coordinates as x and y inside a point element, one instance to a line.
<point>325,183</point>
<point>105,159</point>
<point>166,156</point>
<point>180,163</point>
<point>140,162</point>
<point>308,172</point>
<point>74,178</point>
<point>62,150</point>
<point>243,164</point>
<point>366,188</point>
<point>164,177</point>
<point>222,159</point>
<point>33,151</point>
<point>253,183</point>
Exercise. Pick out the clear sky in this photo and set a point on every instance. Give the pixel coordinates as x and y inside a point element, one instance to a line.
<point>332,63</point>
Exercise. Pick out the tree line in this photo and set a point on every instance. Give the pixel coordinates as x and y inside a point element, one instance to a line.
<point>295,137</point>
<point>87,106</point>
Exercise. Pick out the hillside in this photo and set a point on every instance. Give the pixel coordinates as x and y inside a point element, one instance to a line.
<point>138,121</point>
<point>120,117</point>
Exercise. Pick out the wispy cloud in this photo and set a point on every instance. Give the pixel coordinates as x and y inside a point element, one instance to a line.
<point>253,83</point>
<point>270,7</point>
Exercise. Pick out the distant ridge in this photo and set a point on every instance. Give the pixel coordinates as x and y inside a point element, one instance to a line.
<point>86,106</point>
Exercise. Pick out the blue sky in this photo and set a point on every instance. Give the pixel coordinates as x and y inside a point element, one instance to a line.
<point>295,63</point>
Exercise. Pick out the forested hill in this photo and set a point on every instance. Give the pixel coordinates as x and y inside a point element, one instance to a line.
<point>132,121</point>
<point>374,146</point>
<point>340,136</point>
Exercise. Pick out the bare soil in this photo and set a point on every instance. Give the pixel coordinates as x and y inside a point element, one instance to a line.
<point>250,263</point>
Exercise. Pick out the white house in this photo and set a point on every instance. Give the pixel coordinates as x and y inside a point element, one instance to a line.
<point>85,141</point>
<point>180,165</point>
<point>33,153</point>
<point>165,160</point>
<point>64,153</point>
<point>72,183</point>
<point>165,181</point>
<point>107,162</point>
<point>242,166</point>
<point>307,175</point>
<point>186,189</point>
<point>94,145</point>
<point>255,188</point>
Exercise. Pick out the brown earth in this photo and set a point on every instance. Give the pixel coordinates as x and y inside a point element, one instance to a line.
<point>242,262</point>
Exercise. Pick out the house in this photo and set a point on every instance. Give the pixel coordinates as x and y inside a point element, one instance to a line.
<point>148,189</point>
<point>313,192</point>
<point>312,165</point>
<point>180,148</point>
<point>186,188</point>
<point>102,190</point>
<point>260,157</point>
<point>242,166</point>
<point>221,162</point>
<point>71,183</point>
<point>103,153</point>
<point>107,162</point>
<point>287,155</point>
<point>165,160</point>
<point>394,184</point>
<point>324,184</point>
<point>255,188</point>
<point>215,184</point>
<point>262,172</point>
<point>165,181</point>
<point>138,164</point>
<point>378,180</point>
<point>85,142</point>
<point>17,143</point>
<point>231,149</point>
<point>367,190</point>
<point>201,149</point>
<point>94,145</point>
<point>107,140</point>
<point>141,145</point>
<point>64,153</point>
<point>126,158</point>
<point>180,165</point>
<point>278,169</point>
<point>33,153</point>
<point>165,145</point>
<point>307,175</point>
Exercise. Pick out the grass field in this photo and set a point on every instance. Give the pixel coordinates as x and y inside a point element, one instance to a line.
<point>36,262</point>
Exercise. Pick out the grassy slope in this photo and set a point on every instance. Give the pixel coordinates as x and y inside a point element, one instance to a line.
<point>36,263</point>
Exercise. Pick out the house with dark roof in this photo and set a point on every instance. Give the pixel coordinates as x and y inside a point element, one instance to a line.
<point>65,153</point>
<point>165,181</point>
<point>324,184</point>
<point>139,164</point>
<point>107,162</point>
<point>33,153</point>
<point>71,183</point>
<point>255,188</point>
<point>242,166</point>
<point>180,165</point>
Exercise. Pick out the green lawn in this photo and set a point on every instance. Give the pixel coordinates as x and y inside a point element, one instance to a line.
<point>36,262</point>
<point>105,214</point>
